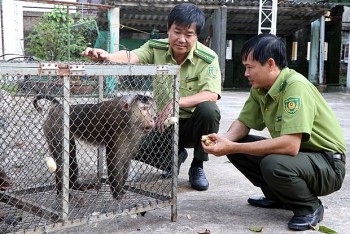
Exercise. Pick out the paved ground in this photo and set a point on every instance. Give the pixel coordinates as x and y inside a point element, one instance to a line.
<point>224,208</point>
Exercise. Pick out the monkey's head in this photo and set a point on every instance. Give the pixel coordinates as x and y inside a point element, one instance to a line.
<point>140,109</point>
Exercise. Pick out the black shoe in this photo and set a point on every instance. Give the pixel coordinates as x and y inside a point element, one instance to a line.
<point>197,178</point>
<point>182,156</point>
<point>304,222</point>
<point>261,201</point>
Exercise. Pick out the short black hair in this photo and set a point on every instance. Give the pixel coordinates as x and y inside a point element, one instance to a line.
<point>265,46</point>
<point>186,14</point>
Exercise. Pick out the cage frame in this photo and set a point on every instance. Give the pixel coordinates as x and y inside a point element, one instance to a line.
<point>65,70</point>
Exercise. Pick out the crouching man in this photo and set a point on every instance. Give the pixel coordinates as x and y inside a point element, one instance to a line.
<point>305,158</point>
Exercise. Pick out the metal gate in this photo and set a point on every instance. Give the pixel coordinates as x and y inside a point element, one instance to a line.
<point>30,201</point>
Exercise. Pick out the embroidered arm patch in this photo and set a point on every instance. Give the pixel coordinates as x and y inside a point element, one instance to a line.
<point>213,71</point>
<point>292,105</point>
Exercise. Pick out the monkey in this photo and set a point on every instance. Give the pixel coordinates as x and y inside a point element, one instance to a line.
<point>117,124</point>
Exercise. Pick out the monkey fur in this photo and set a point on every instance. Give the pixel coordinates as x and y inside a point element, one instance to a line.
<point>5,181</point>
<point>118,124</point>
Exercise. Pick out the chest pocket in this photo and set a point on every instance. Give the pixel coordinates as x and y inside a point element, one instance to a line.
<point>278,123</point>
<point>192,84</point>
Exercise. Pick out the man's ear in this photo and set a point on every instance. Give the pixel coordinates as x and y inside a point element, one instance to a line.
<point>271,62</point>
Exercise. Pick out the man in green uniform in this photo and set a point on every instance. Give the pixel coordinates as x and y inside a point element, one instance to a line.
<point>305,158</point>
<point>200,88</point>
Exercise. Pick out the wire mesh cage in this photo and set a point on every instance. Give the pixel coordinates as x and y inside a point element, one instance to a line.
<point>79,142</point>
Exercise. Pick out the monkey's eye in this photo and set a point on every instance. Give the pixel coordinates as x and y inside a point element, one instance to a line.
<point>145,108</point>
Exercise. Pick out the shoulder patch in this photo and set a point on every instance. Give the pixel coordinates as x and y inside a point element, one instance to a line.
<point>213,71</point>
<point>204,55</point>
<point>158,44</point>
<point>292,105</point>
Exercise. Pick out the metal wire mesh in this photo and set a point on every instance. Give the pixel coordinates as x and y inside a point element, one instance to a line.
<point>33,202</point>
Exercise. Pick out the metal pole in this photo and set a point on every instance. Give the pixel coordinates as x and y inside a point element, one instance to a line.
<point>348,71</point>
<point>100,148</point>
<point>114,29</point>
<point>321,59</point>
<point>65,182</point>
<point>314,52</point>
<point>176,97</point>
<point>260,16</point>
<point>274,18</point>
<point>68,30</point>
<point>267,15</point>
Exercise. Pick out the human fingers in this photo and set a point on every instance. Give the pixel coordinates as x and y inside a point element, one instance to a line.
<point>209,148</point>
<point>98,52</point>
<point>87,51</point>
<point>94,54</point>
<point>91,54</point>
<point>208,140</point>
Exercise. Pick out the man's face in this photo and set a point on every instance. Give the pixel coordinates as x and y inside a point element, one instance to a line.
<point>257,74</point>
<point>182,39</point>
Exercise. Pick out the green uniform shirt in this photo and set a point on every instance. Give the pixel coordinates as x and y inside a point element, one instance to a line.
<point>199,72</point>
<point>294,105</point>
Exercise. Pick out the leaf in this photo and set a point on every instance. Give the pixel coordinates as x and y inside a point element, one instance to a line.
<point>256,229</point>
<point>19,144</point>
<point>327,230</point>
<point>18,165</point>
<point>207,231</point>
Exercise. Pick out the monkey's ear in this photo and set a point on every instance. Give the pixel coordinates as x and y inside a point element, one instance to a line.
<point>126,102</point>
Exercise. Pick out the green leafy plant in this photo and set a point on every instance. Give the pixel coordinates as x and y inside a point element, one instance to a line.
<point>11,88</point>
<point>60,36</point>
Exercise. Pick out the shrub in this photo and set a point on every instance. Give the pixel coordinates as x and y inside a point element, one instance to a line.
<point>60,36</point>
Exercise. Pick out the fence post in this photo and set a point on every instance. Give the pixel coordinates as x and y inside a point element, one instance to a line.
<point>65,182</point>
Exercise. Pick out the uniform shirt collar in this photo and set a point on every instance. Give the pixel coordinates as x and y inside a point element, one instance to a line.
<point>279,85</point>
<point>189,57</point>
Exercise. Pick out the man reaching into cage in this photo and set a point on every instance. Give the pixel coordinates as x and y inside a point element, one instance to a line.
<point>200,89</point>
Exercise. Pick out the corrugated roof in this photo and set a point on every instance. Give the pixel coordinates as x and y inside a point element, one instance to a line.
<point>242,15</point>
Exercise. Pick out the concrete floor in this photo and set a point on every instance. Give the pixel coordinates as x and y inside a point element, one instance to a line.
<point>223,208</point>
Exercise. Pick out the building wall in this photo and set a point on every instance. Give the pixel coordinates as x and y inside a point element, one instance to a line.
<point>12,29</point>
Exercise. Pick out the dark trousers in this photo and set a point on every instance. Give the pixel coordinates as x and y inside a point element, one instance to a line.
<point>295,180</point>
<point>157,147</point>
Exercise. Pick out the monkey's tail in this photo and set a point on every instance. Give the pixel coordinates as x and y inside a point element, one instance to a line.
<point>44,96</point>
